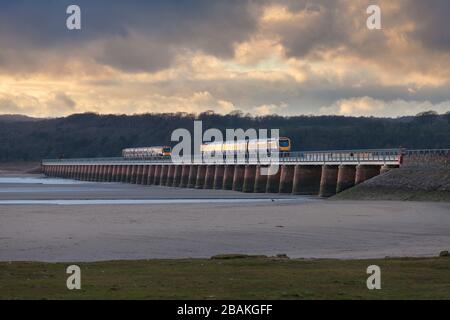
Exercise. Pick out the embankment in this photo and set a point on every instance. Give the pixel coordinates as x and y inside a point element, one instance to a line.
<point>422,177</point>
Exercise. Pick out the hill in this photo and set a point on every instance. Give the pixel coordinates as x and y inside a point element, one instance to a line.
<point>93,135</point>
<point>16,118</point>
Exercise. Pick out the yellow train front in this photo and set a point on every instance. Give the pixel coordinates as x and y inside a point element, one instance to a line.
<point>284,145</point>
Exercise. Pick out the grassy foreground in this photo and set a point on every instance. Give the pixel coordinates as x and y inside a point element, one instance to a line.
<point>244,278</point>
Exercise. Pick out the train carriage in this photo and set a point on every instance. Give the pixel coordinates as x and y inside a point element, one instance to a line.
<point>147,152</point>
<point>248,148</point>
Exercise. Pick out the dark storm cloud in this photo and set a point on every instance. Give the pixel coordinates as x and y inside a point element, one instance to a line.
<point>132,35</point>
<point>319,25</point>
<point>140,35</point>
<point>432,19</point>
<point>327,25</point>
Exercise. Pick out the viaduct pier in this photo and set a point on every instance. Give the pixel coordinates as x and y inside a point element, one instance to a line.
<point>322,173</point>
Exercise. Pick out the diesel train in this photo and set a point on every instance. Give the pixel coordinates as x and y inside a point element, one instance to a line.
<point>281,145</point>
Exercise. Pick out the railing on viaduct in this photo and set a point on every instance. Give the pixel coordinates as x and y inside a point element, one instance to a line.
<point>368,156</point>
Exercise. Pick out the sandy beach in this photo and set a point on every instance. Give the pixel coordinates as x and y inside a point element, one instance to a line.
<point>299,227</point>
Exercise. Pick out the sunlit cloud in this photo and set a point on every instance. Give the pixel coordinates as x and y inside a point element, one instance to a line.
<point>366,106</point>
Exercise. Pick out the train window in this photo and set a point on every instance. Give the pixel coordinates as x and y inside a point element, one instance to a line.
<point>284,143</point>
<point>166,149</point>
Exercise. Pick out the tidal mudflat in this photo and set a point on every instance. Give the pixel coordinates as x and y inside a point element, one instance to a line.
<point>298,227</point>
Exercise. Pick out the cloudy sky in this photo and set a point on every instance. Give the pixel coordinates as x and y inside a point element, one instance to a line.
<point>262,56</point>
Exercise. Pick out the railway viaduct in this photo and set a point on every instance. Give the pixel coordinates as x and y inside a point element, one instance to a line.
<point>322,173</point>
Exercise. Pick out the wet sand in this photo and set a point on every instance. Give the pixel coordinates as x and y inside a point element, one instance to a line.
<point>299,228</point>
<point>37,187</point>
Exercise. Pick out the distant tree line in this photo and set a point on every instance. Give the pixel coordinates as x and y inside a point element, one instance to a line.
<point>94,135</point>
